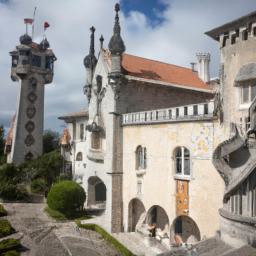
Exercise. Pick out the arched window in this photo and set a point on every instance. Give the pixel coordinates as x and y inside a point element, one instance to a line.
<point>141,157</point>
<point>95,140</point>
<point>79,156</point>
<point>182,161</point>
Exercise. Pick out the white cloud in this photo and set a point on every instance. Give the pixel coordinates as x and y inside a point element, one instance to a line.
<point>176,41</point>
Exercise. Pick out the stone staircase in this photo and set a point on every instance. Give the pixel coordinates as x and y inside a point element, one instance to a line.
<point>211,247</point>
<point>139,244</point>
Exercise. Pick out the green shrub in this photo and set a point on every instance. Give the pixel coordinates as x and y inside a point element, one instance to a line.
<point>110,239</point>
<point>67,197</point>
<point>55,214</point>
<point>9,244</point>
<point>9,173</point>
<point>10,192</point>
<point>38,186</point>
<point>3,212</point>
<point>11,253</point>
<point>47,167</point>
<point>5,228</point>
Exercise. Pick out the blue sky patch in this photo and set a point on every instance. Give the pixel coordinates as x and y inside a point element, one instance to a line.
<point>152,9</point>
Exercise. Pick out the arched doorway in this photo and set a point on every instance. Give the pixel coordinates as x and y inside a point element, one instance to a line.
<point>157,216</point>
<point>186,228</point>
<point>135,212</point>
<point>97,193</point>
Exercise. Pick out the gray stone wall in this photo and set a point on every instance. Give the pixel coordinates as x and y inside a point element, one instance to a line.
<point>138,96</point>
<point>29,121</point>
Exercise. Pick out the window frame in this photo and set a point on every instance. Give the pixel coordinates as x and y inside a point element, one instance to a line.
<point>140,158</point>
<point>183,158</point>
<point>250,84</point>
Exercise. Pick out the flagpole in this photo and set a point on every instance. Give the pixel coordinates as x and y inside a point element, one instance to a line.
<point>34,14</point>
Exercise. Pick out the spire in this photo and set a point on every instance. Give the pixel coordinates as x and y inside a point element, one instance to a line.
<point>101,41</point>
<point>116,44</point>
<point>90,60</point>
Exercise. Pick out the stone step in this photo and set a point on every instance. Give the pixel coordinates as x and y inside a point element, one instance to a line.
<point>246,250</point>
<point>139,244</point>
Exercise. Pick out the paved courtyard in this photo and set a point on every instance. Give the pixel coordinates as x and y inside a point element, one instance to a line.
<point>43,236</point>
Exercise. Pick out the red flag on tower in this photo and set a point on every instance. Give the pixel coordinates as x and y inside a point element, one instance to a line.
<point>46,25</point>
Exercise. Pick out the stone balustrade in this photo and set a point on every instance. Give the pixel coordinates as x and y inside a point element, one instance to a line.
<point>202,111</point>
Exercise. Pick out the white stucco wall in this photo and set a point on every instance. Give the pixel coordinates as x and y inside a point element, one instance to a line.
<point>158,183</point>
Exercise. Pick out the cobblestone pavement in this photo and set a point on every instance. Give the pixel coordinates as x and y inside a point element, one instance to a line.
<point>42,236</point>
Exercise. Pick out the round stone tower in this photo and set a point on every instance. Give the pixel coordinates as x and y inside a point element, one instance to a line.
<point>32,63</point>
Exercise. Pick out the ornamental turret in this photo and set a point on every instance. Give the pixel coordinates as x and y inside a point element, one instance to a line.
<point>32,63</point>
<point>90,62</point>
<point>116,47</point>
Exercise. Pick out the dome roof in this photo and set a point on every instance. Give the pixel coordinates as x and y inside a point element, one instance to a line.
<point>25,39</point>
<point>44,44</point>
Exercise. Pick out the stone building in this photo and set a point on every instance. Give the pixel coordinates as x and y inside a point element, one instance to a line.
<point>73,144</point>
<point>132,99</point>
<point>157,132</point>
<point>235,156</point>
<point>32,63</point>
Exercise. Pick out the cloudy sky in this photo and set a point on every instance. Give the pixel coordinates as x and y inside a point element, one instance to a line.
<point>166,30</point>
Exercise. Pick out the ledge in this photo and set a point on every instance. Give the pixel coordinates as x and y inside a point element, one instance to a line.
<point>96,156</point>
<point>237,218</point>
<point>140,172</point>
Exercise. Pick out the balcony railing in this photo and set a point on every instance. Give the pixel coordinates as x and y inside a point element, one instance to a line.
<point>200,111</point>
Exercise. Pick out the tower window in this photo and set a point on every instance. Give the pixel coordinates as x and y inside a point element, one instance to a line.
<point>182,161</point>
<point>36,60</point>
<point>185,111</point>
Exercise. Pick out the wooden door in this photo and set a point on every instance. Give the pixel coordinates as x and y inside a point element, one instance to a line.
<point>182,197</point>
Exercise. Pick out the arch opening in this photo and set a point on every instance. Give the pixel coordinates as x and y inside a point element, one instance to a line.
<point>185,229</point>
<point>97,194</point>
<point>136,211</point>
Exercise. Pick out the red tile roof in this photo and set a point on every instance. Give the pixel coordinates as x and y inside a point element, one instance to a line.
<point>162,72</point>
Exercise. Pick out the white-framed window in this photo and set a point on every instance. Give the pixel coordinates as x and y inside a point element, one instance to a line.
<point>182,162</point>
<point>248,92</point>
<point>141,157</point>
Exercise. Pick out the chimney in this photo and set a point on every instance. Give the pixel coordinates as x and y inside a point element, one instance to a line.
<point>203,66</point>
<point>193,66</point>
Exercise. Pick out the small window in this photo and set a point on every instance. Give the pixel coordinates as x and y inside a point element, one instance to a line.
<point>233,39</point>
<point>182,161</point>
<point>254,31</point>
<point>81,131</point>
<point>15,59</point>
<point>95,140</point>
<point>195,110</point>
<point>177,112</point>
<point>139,187</point>
<point>79,156</point>
<point>245,35</point>
<point>36,60</point>
<point>224,40</point>
<point>253,90</point>
<point>245,93</point>
<point>206,112</point>
<point>170,114</point>
<point>141,157</point>
<point>185,111</point>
